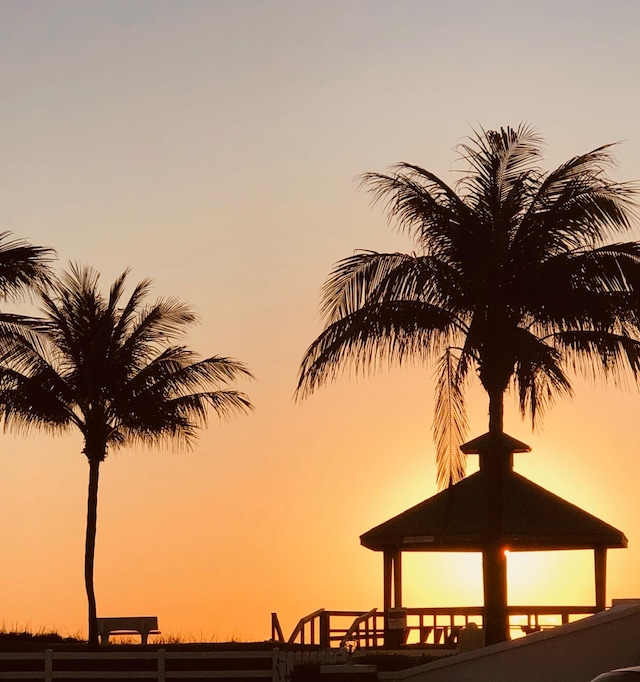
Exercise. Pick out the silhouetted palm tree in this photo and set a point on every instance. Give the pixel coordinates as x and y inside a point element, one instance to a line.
<point>514,276</point>
<point>113,371</point>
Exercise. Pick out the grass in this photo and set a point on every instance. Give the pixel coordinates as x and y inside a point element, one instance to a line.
<point>24,639</point>
<point>19,638</point>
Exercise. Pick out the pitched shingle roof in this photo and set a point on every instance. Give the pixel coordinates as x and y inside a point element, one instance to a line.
<point>454,520</point>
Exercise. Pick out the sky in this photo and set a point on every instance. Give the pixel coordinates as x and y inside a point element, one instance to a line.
<point>215,147</point>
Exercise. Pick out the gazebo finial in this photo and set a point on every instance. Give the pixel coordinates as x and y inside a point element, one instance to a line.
<point>489,446</point>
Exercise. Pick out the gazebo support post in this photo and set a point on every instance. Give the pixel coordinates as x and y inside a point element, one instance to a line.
<point>397,580</point>
<point>600,560</point>
<point>388,583</point>
<point>495,462</point>
<point>393,634</point>
<point>495,618</point>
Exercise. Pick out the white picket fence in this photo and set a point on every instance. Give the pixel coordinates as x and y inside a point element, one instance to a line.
<point>159,665</point>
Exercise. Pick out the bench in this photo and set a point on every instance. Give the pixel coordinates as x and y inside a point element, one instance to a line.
<point>128,625</point>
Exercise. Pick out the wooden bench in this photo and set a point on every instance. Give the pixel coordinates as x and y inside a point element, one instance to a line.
<point>128,625</point>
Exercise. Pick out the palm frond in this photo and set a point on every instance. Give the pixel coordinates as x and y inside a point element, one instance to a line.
<point>177,372</point>
<point>34,402</point>
<point>156,421</point>
<point>497,161</point>
<point>375,336</point>
<point>586,289</point>
<point>576,206</point>
<point>450,423</point>
<point>600,355</point>
<point>127,317</point>
<point>22,265</point>
<point>538,374</point>
<point>352,280</point>
<point>420,202</point>
<point>370,278</point>
<point>164,321</point>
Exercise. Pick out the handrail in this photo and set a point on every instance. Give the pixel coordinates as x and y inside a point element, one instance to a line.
<point>513,610</point>
<point>276,630</point>
<point>550,610</point>
<point>302,622</point>
<point>360,619</point>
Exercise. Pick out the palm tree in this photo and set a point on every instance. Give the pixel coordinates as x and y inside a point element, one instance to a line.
<point>515,276</point>
<point>113,371</point>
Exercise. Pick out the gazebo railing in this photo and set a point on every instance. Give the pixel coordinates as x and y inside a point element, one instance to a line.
<point>438,627</point>
<point>530,619</point>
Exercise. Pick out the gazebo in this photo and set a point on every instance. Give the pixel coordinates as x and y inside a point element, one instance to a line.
<point>455,520</point>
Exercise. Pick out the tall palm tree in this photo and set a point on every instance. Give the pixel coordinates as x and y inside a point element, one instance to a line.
<point>113,370</point>
<point>515,275</point>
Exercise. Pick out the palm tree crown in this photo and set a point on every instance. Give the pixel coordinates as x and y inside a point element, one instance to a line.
<point>516,274</point>
<point>113,370</point>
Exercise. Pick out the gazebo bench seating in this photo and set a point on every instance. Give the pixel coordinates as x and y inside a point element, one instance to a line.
<point>128,625</point>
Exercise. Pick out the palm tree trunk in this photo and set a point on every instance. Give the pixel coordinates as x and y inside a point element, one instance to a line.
<point>496,412</point>
<point>494,562</point>
<point>90,549</point>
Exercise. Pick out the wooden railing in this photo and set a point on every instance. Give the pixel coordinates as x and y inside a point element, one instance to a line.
<point>330,628</point>
<point>365,629</point>
<point>157,665</point>
<point>313,629</point>
<point>276,629</point>
<point>434,628</point>
<point>533,618</point>
<point>161,665</point>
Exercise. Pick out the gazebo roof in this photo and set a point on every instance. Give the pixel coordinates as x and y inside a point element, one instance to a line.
<point>454,520</point>
<point>482,443</point>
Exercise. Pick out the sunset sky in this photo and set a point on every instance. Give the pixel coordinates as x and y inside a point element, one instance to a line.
<point>214,146</point>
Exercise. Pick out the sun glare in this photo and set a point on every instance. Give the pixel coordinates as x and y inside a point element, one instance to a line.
<point>561,578</point>
<point>455,579</point>
<point>442,579</point>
